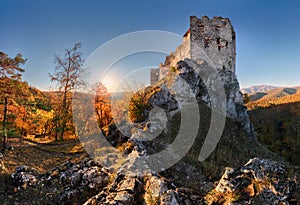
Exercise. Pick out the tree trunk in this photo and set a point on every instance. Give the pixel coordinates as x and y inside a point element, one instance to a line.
<point>65,109</point>
<point>56,127</point>
<point>56,132</point>
<point>63,127</point>
<point>4,128</point>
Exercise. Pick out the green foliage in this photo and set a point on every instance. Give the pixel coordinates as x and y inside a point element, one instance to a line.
<point>10,75</point>
<point>278,127</point>
<point>138,106</point>
<point>173,69</point>
<point>42,105</point>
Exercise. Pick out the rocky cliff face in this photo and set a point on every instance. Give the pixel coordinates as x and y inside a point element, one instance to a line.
<point>216,88</point>
<point>206,61</point>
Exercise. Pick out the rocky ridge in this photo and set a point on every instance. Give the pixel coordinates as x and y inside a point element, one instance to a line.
<point>260,181</point>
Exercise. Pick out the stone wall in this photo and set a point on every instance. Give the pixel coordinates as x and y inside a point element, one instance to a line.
<point>154,75</point>
<point>214,41</point>
<point>181,52</point>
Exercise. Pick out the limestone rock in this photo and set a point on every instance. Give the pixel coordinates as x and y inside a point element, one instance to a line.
<point>25,176</point>
<point>86,175</point>
<point>259,181</point>
<point>124,197</point>
<point>169,198</point>
<point>163,99</point>
<point>205,83</point>
<point>155,190</point>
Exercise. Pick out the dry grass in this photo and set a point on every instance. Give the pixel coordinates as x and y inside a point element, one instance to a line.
<point>215,197</point>
<point>40,155</point>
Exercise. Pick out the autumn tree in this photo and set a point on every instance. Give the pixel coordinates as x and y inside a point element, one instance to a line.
<point>10,77</point>
<point>68,74</point>
<point>102,105</point>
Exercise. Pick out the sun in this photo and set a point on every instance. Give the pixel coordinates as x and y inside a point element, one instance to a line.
<point>109,83</point>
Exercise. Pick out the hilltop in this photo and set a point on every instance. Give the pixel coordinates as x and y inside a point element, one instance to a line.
<point>258,89</point>
<point>278,96</point>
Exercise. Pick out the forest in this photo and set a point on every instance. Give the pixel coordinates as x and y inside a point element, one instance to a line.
<point>28,112</point>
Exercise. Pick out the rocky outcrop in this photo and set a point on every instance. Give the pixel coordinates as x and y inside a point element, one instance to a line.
<point>217,88</point>
<point>163,99</point>
<point>24,177</point>
<point>259,181</point>
<point>86,177</point>
<point>148,190</point>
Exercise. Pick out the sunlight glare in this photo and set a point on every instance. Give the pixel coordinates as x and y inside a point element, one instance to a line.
<point>109,83</point>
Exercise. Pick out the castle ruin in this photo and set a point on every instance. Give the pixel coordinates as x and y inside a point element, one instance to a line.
<point>212,40</point>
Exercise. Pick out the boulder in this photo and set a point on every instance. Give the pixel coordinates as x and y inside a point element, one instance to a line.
<point>163,99</point>
<point>24,177</point>
<point>259,181</point>
<point>86,176</point>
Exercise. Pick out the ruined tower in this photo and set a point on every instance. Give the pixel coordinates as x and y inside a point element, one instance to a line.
<point>212,40</point>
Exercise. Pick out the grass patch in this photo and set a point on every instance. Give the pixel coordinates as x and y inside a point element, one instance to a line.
<point>65,149</point>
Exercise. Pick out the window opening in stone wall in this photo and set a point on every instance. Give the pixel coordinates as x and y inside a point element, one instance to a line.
<point>201,26</point>
<point>230,63</point>
<point>206,42</point>
<point>219,43</point>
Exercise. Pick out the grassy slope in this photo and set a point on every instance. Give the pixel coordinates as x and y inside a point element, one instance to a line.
<point>234,149</point>
<point>40,155</point>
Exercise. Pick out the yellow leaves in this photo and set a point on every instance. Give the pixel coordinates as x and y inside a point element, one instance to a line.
<point>102,105</point>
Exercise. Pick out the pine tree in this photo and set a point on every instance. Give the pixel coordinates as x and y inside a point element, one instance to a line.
<point>10,77</point>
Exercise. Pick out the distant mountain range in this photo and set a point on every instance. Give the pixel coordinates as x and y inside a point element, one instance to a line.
<point>265,96</point>
<point>258,88</point>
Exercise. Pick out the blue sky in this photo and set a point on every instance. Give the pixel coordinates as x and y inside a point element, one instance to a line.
<point>268,44</point>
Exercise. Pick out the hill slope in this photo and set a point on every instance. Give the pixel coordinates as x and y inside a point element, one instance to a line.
<point>274,97</point>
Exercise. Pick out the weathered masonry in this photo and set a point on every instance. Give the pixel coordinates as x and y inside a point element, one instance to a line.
<point>212,40</point>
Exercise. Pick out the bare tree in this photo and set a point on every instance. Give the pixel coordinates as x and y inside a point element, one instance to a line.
<point>68,74</point>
